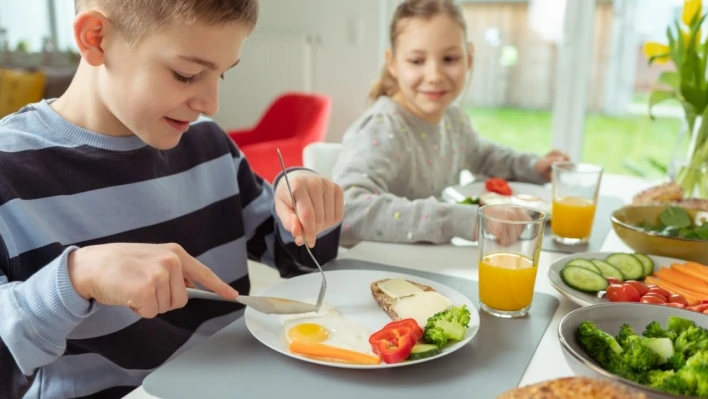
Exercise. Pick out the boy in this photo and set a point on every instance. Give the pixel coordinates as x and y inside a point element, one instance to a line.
<point>114,198</point>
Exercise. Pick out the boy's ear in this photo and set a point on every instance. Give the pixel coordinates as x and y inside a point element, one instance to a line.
<point>470,55</point>
<point>89,33</point>
<point>390,65</point>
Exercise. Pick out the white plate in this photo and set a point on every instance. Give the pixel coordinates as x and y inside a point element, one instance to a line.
<point>349,292</point>
<point>459,193</point>
<point>585,299</point>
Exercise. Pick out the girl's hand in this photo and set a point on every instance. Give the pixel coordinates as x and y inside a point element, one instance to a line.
<point>543,166</point>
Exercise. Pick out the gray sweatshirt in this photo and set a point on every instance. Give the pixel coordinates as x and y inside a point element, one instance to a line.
<point>394,166</point>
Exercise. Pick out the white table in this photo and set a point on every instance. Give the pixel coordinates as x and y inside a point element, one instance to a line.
<point>547,362</point>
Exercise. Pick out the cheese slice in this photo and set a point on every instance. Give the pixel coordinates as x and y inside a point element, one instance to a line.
<point>421,305</point>
<point>398,288</point>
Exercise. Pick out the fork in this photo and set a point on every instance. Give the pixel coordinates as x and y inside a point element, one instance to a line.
<point>323,287</point>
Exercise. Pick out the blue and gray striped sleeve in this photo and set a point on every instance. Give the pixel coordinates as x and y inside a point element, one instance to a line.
<point>36,316</point>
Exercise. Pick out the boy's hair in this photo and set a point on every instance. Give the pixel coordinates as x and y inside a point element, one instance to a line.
<point>387,85</point>
<point>135,18</point>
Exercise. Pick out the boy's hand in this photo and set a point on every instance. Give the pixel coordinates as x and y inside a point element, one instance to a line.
<point>320,204</point>
<point>148,278</point>
<point>543,166</point>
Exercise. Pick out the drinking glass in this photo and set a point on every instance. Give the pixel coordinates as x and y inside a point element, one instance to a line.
<point>575,191</point>
<point>510,238</point>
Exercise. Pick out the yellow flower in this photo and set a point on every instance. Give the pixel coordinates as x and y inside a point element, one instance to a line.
<point>691,8</point>
<point>686,35</point>
<point>654,49</point>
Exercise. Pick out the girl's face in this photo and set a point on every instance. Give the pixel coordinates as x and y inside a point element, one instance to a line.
<point>429,64</point>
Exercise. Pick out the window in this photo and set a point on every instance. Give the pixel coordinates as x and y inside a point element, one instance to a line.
<point>618,132</point>
<point>27,23</point>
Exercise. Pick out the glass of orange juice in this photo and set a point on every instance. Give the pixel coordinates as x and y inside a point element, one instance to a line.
<point>575,190</point>
<point>510,239</point>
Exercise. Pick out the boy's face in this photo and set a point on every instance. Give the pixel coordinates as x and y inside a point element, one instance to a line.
<point>157,87</point>
<point>430,64</point>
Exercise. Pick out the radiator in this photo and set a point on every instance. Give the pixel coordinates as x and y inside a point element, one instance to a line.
<point>270,65</point>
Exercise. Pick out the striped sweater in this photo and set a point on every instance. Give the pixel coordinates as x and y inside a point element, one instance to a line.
<point>64,187</point>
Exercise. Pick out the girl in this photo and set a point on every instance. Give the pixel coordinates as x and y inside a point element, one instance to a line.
<point>413,142</point>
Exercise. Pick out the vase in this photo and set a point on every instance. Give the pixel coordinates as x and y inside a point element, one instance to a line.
<point>689,164</point>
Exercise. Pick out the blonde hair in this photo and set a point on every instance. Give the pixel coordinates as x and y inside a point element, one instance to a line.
<point>387,84</point>
<point>135,18</point>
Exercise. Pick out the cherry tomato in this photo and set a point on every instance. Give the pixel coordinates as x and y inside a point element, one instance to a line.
<point>674,305</point>
<point>698,308</point>
<point>658,290</point>
<point>676,298</point>
<point>655,295</point>
<point>630,293</point>
<point>622,293</point>
<point>612,280</point>
<point>639,286</point>
<point>614,292</point>
<point>497,185</point>
<point>652,299</point>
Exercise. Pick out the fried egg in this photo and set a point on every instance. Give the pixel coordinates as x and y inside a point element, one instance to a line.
<point>329,329</point>
<point>326,309</point>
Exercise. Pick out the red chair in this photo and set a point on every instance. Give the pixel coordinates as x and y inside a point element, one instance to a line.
<point>292,121</point>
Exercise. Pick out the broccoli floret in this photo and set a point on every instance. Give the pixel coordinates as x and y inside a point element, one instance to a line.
<point>450,324</point>
<point>598,344</point>
<point>638,355</point>
<point>630,341</point>
<point>700,358</point>
<point>679,324</point>
<point>670,382</point>
<point>625,331</point>
<point>677,361</point>
<point>691,340</point>
<point>616,365</point>
<point>654,330</point>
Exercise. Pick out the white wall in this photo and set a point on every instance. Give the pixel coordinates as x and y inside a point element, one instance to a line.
<point>347,59</point>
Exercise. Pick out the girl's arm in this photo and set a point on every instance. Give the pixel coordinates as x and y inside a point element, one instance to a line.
<point>370,163</point>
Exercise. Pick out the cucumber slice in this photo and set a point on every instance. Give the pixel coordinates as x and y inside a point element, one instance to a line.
<point>607,270</point>
<point>583,279</point>
<point>584,263</point>
<point>421,351</point>
<point>630,266</point>
<point>647,263</point>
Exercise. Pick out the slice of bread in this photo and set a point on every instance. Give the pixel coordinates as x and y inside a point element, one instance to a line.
<point>386,303</point>
<point>573,387</point>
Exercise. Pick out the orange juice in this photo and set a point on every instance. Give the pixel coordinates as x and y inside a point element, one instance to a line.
<point>506,281</point>
<point>572,217</point>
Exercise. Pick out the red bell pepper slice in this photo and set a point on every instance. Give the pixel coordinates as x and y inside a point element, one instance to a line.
<point>415,328</point>
<point>394,344</point>
<point>497,185</point>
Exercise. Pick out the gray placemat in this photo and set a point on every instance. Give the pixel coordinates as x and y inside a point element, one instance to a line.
<point>601,227</point>
<point>233,364</point>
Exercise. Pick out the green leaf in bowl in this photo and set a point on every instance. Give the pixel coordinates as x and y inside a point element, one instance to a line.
<point>675,217</point>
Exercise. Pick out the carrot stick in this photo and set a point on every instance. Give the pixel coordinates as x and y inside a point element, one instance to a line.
<point>327,352</point>
<point>697,265</point>
<point>691,297</point>
<point>689,271</point>
<point>682,280</point>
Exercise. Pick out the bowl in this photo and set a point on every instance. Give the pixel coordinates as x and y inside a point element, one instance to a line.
<point>609,317</point>
<point>626,219</point>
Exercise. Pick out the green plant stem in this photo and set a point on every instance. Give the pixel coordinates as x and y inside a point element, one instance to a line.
<point>693,177</point>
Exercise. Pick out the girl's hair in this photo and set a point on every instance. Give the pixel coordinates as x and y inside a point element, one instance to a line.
<point>387,85</point>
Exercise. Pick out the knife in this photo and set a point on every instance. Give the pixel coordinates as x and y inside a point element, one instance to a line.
<point>263,304</point>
